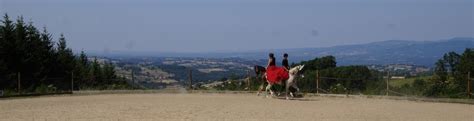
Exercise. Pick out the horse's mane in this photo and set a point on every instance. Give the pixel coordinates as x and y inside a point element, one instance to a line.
<point>295,69</point>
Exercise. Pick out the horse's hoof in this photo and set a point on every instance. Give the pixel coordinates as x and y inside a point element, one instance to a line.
<point>287,98</point>
<point>292,95</point>
<point>274,95</point>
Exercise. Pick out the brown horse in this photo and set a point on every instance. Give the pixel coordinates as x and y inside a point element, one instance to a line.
<point>260,71</point>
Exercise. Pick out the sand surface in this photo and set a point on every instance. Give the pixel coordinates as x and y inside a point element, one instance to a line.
<point>219,107</point>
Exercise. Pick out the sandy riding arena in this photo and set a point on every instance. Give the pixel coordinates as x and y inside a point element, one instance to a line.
<point>125,107</point>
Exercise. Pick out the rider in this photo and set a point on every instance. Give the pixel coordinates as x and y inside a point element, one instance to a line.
<point>284,63</point>
<point>271,60</point>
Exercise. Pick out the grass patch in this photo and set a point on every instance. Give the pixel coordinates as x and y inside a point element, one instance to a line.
<point>407,81</point>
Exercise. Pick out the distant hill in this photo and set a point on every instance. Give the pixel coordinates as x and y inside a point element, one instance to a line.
<point>385,52</point>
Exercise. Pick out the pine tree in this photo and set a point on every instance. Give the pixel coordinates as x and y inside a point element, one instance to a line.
<point>7,42</point>
<point>65,61</point>
<point>20,55</point>
<point>20,59</point>
<point>81,70</point>
<point>83,58</point>
<point>96,73</point>
<point>33,55</point>
<point>48,53</point>
<point>23,48</point>
<point>6,32</point>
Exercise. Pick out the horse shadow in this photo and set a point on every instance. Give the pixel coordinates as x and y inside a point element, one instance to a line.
<point>297,97</point>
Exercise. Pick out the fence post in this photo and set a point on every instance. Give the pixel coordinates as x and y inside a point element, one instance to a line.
<point>133,79</point>
<point>469,84</point>
<point>388,78</point>
<point>317,81</point>
<point>19,83</point>
<point>72,82</point>
<point>190,79</point>
<point>248,80</point>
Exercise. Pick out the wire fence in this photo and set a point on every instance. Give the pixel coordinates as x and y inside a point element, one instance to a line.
<point>382,85</point>
<point>28,86</point>
<point>463,90</point>
<point>320,85</point>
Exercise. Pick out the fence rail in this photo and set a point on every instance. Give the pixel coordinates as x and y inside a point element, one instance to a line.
<point>398,93</point>
<point>61,85</point>
<point>317,89</point>
<point>388,89</point>
<point>37,94</point>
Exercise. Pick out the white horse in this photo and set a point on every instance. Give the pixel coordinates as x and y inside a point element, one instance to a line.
<point>293,73</point>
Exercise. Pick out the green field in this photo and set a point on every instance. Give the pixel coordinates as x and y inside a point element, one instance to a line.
<point>400,82</point>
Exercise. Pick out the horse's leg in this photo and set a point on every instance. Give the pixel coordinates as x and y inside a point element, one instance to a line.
<point>277,89</point>
<point>291,82</point>
<point>287,91</point>
<point>280,90</point>
<point>260,88</point>
<point>294,90</point>
<point>263,80</point>
<point>287,86</point>
<point>296,87</point>
<point>268,88</point>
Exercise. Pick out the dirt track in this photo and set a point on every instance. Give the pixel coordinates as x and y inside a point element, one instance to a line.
<point>125,107</point>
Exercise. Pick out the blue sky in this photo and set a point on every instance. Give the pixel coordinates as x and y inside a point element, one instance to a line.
<point>241,25</point>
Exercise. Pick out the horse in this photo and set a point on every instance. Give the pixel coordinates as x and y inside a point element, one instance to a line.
<point>290,82</point>
<point>260,70</point>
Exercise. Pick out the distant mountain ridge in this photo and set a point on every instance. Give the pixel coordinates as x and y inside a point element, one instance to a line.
<point>385,52</point>
<point>423,53</point>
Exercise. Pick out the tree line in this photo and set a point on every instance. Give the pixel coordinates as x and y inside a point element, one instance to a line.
<point>334,79</point>
<point>450,74</point>
<point>31,55</point>
<point>449,78</point>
